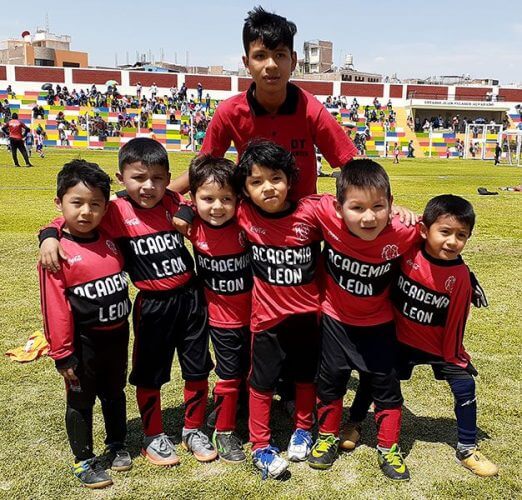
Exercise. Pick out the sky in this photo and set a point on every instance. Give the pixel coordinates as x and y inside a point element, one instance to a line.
<point>410,38</point>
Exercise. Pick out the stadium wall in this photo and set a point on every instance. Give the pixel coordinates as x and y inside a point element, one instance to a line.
<point>31,78</point>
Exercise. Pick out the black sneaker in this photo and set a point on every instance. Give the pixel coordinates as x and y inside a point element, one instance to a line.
<point>229,447</point>
<point>392,464</point>
<point>119,459</point>
<point>91,474</point>
<point>324,451</point>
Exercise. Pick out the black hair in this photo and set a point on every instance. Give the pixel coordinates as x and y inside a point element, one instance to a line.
<point>207,167</point>
<point>144,149</point>
<point>266,154</point>
<point>450,205</point>
<point>365,174</point>
<point>271,29</point>
<point>81,171</point>
<point>14,116</point>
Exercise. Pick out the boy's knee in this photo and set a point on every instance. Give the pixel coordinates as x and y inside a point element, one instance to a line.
<point>463,390</point>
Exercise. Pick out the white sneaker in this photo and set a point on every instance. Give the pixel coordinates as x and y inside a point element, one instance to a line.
<point>269,462</point>
<point>300,445</point>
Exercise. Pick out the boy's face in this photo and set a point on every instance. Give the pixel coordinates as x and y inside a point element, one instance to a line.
<point>83,208</point>
<point>270,69</point>
<point>145,185</point>
<point>365,211</point>
<point>445,238</point>
<point>267,189</point>
<point>215,204</point>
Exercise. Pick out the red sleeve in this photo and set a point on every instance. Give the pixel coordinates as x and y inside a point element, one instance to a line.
<point>453,348</point>
<point>332,141</point>
<point>217,140</point>
<point>57,314</point>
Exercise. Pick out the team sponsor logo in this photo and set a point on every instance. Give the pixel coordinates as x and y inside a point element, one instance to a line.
<point>412,264</point>
<point>419,303</point>
<point>302,231</point>
<point>74,259</point>
<point>132,222</point>
<point>202,244</point>
<point>112,247</point>
<point>285,266</point>
<point>333,235</point>
<point>257,230</point>
<point>390,252</point>
<point>359,278</point>
<point>450,284</point>
<point>226,275</point>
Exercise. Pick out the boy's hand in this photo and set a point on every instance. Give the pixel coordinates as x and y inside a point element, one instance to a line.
<point>50,254</point>
<point>182,226</point>
<point>406,216</point>
<point>69,375</point>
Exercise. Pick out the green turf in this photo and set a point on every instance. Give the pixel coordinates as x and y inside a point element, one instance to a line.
<point>34,456</point>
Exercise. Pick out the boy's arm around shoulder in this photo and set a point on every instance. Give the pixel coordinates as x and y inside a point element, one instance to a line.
<point>51,252</point>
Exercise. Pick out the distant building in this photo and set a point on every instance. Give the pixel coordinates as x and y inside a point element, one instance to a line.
<point>318,56</point>
<point>42,49</point>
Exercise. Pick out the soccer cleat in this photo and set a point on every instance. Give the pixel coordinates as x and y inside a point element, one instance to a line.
<point>392,464</point>
<point>159,450</point>
<point>120,459</point>
<point>198,443</point>
<point>269,462</point>
<point>324,451</point>
<point>300,445</point>
<point>350,436</point>
<point>476,462</point>
<point>91,474</point>
<point>229,447</point>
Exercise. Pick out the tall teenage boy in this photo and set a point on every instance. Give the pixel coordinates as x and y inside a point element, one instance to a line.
<point>274,109</point>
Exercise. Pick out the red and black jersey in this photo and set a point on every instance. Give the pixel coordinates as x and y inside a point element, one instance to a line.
<point>155,254</point>
<point>285,249</point>
<point>358,273</point>
<point>223,264</point>
<point>89,292</point>
<point>16,129</point>
<point>431,299</point>
<point>301,123</point>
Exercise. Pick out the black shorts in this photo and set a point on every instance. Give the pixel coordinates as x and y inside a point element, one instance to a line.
<point>369,350</point>
<point>102,365</point>
<point>232,351</point>
<point>164,322</point>
<point>293,342</point>
<point>408,357</point>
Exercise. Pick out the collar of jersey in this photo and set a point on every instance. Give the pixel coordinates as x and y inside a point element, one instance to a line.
<point>440,262</point>
<point>277,215</point>
<point>289,107</point>
<point>79,239</point>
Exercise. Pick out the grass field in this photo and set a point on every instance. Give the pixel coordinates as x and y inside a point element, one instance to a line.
<point>35,458</point>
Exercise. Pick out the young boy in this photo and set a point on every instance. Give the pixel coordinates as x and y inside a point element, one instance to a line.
<point>85,308</point>
<point>169,312</point>
<point>39,141</point>
<point>223,265</point>
<point>431,298</point>
<point>362,246</point>
<point>274,109</point>
<point>285,297</point>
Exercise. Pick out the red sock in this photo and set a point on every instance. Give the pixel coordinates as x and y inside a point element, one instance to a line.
<point>329,416</point>
<point>388,426</point>
<point>226,394</point>
<point>304,406</point>
<point>149,404</point>
<point>195,396</point>
<point>260,403</point>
